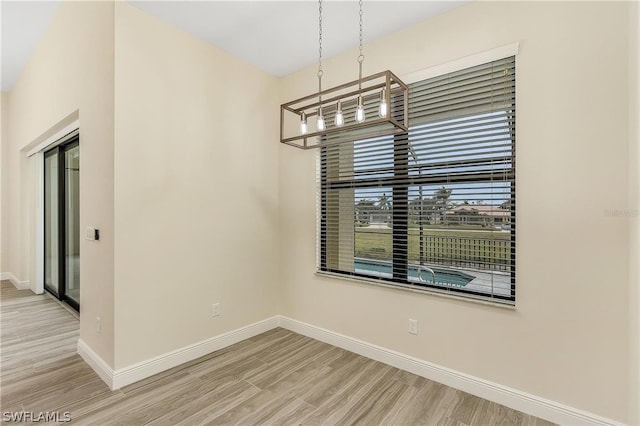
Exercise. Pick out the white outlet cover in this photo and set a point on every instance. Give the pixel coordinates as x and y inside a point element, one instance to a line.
<point>413,326</point>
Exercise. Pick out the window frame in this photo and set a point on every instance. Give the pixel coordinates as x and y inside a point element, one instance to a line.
<point>401,182</point>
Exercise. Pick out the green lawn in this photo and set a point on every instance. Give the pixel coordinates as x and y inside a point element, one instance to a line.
<point>478,248</point>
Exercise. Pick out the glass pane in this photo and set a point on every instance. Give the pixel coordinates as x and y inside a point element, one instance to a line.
<point>459,236</point>
<point>72,222</point>
<point>51,238</point>
<point>373,226</point>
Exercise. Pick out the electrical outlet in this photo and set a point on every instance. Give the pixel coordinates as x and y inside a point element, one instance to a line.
<point>98,325</point>
<point>215,309</point>
<point>413,326</point>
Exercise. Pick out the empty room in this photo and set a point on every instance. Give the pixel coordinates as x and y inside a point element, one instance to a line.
<point>320,212</point>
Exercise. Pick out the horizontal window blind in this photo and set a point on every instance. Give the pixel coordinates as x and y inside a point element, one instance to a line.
<point>433,208</point>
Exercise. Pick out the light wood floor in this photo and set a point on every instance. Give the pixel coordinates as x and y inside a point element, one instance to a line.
<point>278,377</point>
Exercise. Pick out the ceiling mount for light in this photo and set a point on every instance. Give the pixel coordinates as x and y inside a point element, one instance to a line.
<point>371,106</point>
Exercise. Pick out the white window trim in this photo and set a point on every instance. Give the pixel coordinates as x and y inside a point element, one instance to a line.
<point>480,58</point>
<point>462,63</point>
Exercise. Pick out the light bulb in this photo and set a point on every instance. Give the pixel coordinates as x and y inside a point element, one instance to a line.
<point>303,123</point>
<point>320,120</point>
<point>359,111</point>
<point>339,121</point>
<point>382,108</point>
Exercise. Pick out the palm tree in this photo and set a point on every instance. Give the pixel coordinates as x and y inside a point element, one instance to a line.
<point>441,201</point>
<point>384,205</point>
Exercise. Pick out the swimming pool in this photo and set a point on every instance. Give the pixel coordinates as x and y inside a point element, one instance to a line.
<point>415,273</point>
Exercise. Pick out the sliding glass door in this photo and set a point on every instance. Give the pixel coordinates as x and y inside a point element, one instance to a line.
<point>62,222</point>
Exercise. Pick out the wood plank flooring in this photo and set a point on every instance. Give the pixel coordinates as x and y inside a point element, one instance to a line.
<point>276,378</point>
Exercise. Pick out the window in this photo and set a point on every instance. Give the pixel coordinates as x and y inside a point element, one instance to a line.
<point>433,208</point>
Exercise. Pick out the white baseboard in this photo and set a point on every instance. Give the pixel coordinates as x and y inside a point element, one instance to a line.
<point>512,398</point>
<point>136,372</point>
<point>98,365</point>
<point>20,285</point>
<point>125,376</point>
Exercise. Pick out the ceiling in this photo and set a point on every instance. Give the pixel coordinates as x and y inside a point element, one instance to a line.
<point>278,37</point>
<point>23,24</point>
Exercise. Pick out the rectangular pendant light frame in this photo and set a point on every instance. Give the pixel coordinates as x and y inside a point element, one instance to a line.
<point>396,120</point>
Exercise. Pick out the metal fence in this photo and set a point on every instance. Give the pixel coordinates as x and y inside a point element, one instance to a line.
<point>492,254</point>
<point>476,253</point>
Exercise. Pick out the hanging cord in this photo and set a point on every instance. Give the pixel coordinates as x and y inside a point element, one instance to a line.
<point>320,72</point>
<point>361,56</point>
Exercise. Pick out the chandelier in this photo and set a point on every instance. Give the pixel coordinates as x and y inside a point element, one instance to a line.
<point>368,107</point>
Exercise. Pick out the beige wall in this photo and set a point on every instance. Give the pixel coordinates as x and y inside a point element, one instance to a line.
<point>197,223</point>
<point>634,216</point>
<point>70,74</point>
<point>4,142</point>
<point>196,187</point>
<point>568,339</point>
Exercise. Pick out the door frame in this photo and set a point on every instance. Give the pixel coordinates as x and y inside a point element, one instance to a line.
<point>58,134</point>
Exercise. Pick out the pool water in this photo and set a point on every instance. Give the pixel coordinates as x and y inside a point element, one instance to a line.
<point>385,270</point>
